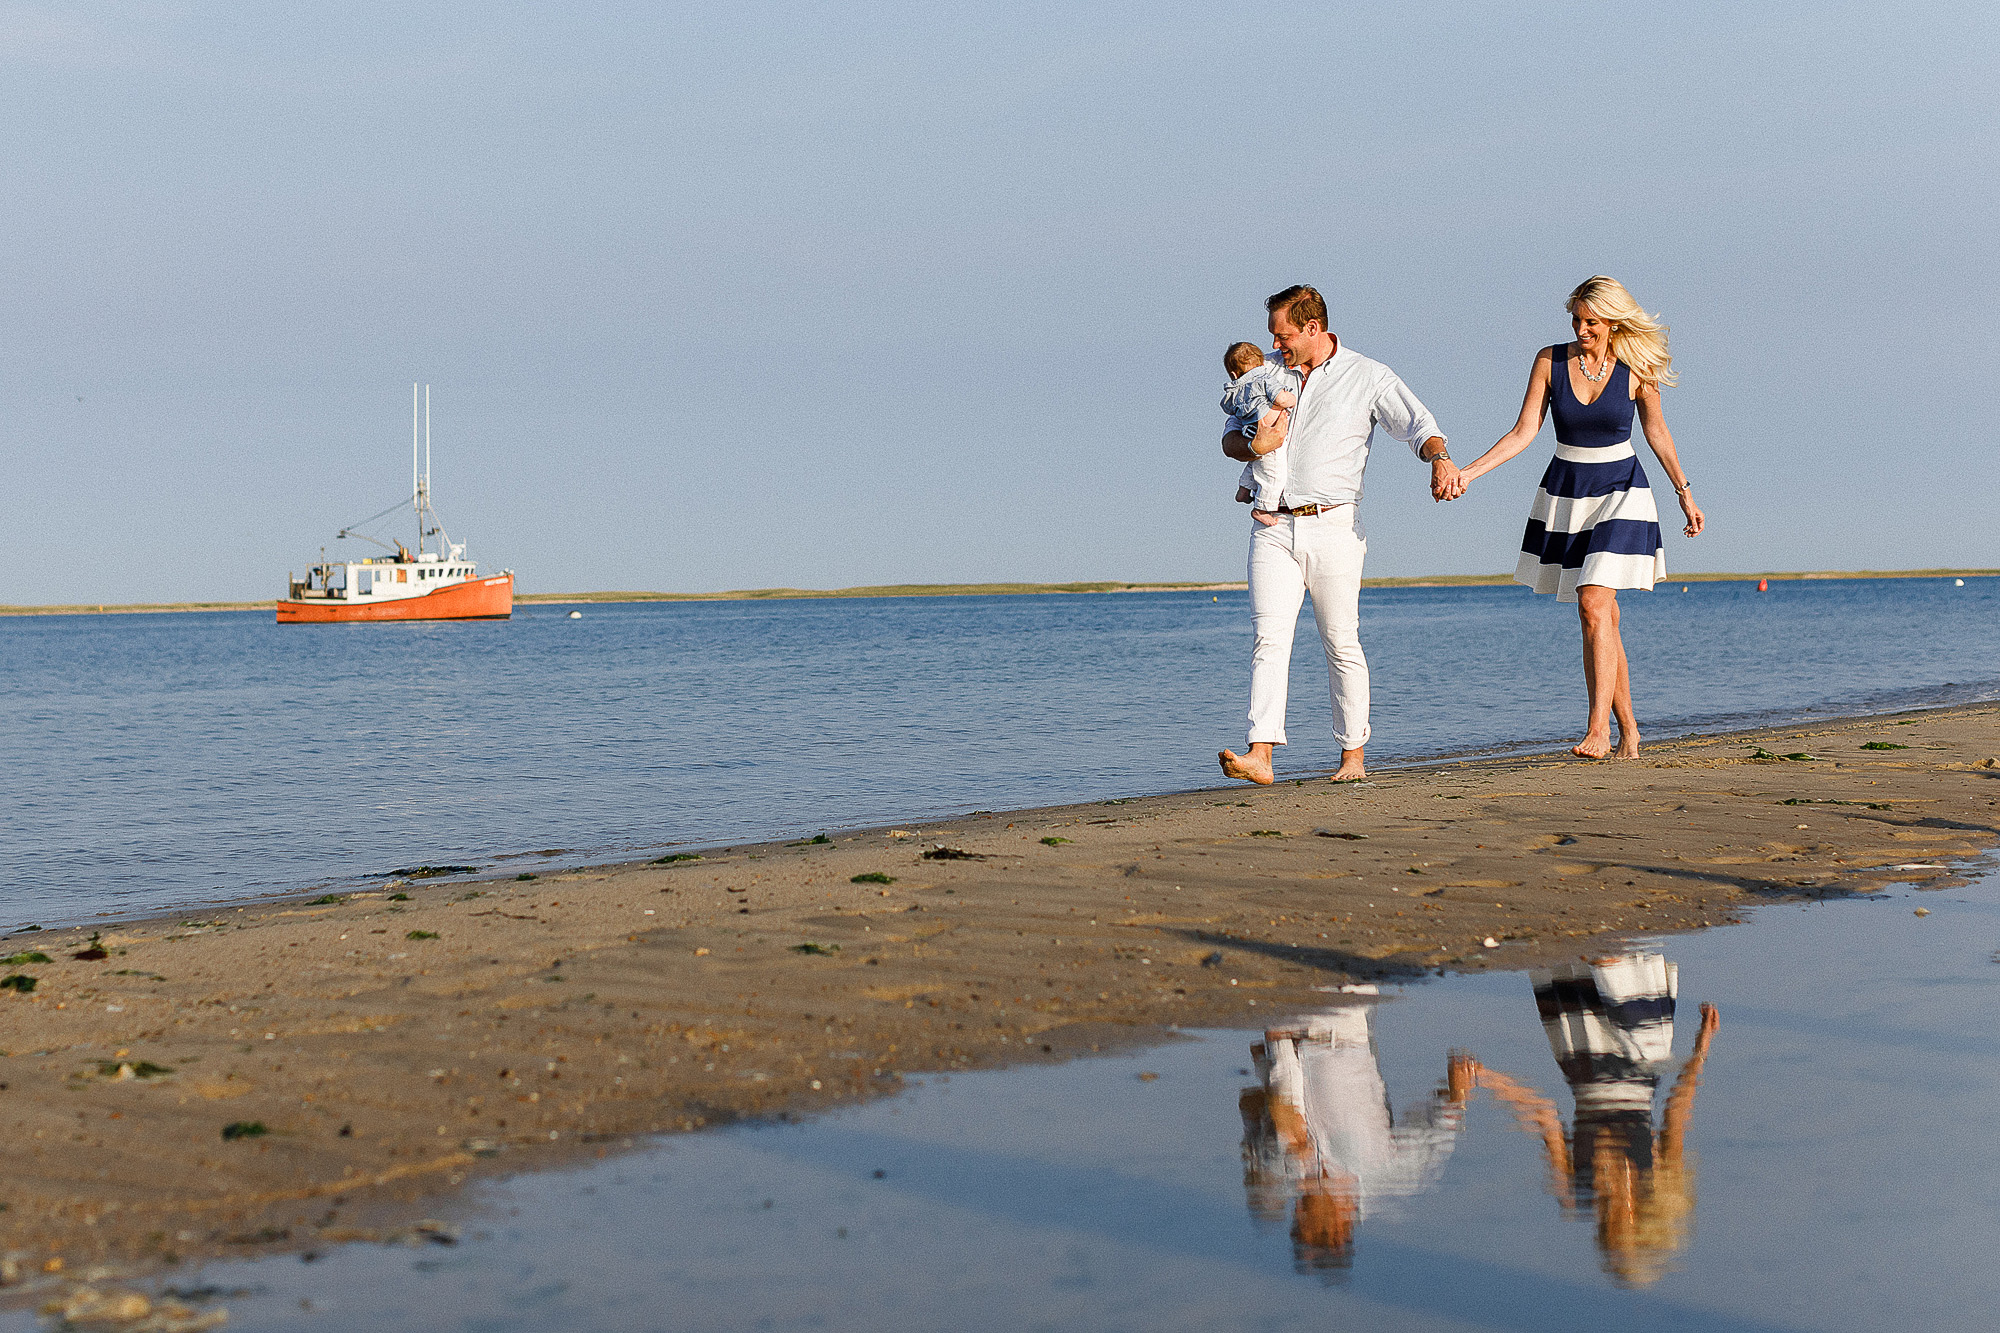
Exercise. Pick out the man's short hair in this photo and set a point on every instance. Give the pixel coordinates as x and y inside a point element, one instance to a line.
<point>1242,358</point>
<point>1301,305</point>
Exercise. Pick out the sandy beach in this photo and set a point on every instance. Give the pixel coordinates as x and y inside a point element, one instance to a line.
<point>292,1075</point>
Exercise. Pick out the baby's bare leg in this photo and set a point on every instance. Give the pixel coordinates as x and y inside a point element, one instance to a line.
<point>1271,429</point>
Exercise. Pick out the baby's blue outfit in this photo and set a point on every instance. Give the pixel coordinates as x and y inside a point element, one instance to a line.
<point>1246,398</point>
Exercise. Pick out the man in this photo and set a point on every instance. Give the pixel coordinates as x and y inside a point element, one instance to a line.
<point>1315,542</point>
<point>1322,1131</point>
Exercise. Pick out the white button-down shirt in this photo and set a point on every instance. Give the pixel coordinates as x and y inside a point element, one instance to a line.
<point>1342,403</point>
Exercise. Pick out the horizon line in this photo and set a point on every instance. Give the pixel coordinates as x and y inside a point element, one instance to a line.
<point>986,590</point>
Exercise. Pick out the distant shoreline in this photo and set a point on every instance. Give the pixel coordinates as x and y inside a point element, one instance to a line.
<point>987,590</point>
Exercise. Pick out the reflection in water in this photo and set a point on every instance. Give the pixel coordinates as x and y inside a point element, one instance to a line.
<point>1320,1133</point>
<point>1610,1023</point>
<point>1320,1136</point>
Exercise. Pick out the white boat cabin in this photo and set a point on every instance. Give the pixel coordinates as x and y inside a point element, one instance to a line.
<point>385,578</point>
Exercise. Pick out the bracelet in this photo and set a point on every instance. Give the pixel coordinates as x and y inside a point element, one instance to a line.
<point>1684,488</point>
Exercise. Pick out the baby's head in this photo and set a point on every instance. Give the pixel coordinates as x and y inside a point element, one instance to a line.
<point>1242,358</point>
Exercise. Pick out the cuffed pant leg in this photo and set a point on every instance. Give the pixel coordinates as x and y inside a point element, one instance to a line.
<point>1277,587</point>
<point>1332,550</point>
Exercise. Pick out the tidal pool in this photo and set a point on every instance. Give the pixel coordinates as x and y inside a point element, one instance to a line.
<point>1502,1151</point>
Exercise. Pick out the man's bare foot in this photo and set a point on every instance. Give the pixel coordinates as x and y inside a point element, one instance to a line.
<point>1253,767</point>
<point>1628,745</point>
<point>1351,768</point>
<point>1595,745</point>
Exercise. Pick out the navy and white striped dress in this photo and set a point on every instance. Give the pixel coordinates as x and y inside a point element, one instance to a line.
<point>1610,1025</point>
<point>1593,520</point>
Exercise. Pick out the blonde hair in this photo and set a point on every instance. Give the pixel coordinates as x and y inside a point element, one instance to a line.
<point>1242,358</point>
<point>1637,338</point>
<point>1644,1217</point>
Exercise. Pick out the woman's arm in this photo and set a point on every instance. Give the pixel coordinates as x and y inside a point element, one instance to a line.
<point>1653,418</point>
<point>1680,1102</point>
<point>1534,406</point>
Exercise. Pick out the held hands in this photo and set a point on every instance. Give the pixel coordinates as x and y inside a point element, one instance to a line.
<point>1447,482</point>
<point>1461,1077</point>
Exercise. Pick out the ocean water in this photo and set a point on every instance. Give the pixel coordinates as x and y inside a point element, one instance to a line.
<point>1830,1166</point>
<point>156,760</point>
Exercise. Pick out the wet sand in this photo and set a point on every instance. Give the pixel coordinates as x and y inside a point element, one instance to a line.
<point>290,1075</point>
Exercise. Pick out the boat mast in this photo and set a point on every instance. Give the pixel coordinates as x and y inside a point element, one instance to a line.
<point>420,457</point>
<point>416,478</point>
<point>427,454</point>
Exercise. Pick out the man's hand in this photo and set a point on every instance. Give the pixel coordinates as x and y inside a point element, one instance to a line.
<point>1271,431</point>
<point>1446,481</point>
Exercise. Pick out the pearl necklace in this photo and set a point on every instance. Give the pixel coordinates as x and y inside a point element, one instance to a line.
<point>1603,366</point>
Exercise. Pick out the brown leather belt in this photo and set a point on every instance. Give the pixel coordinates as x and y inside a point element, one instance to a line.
<point>1301,511</point>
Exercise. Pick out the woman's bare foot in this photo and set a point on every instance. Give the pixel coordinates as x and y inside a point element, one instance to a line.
<point>1595,745</point>
<point>1253,767</point>
<point>1628,745</point>
<point>1351,768</point>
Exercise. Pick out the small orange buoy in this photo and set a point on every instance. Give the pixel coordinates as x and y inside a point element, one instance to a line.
<point>1763,585</point>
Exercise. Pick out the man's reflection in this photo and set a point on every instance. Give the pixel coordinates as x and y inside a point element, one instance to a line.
<point>1320,1133</point>
<point>1610,1023</point>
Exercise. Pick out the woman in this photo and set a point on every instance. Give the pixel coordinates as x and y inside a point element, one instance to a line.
<point>1610,1025</point>
<point>1594,528</point>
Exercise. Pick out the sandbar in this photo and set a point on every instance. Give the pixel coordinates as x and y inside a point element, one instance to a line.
<point>288,1075</point>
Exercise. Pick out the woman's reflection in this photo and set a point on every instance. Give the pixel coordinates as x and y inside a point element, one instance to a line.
<point>1610,1023</point>
<point>1320,1133</point>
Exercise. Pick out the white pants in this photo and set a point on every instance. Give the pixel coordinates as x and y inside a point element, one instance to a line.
<point>1321,555</point>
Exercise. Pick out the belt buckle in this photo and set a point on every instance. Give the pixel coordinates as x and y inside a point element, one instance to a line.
<point>1304,511</point>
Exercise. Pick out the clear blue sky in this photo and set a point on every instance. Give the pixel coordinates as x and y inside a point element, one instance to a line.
<point>714,296</point>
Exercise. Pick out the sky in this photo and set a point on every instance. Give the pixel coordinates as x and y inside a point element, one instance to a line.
<point>727,297</point>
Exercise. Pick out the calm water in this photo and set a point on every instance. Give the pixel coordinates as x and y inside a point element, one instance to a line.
<point>149,760</point>
<point>1837,1168</point>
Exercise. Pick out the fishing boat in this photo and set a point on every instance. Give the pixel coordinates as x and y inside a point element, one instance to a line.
<point>436,581</point>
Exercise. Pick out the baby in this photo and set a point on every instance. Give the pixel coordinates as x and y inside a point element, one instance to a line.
<point>1260,393</point>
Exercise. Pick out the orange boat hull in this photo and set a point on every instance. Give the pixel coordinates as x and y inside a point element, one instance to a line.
<point>475,599</point>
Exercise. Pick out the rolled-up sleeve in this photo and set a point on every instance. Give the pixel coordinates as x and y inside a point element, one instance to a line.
<point>1402,417</point>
